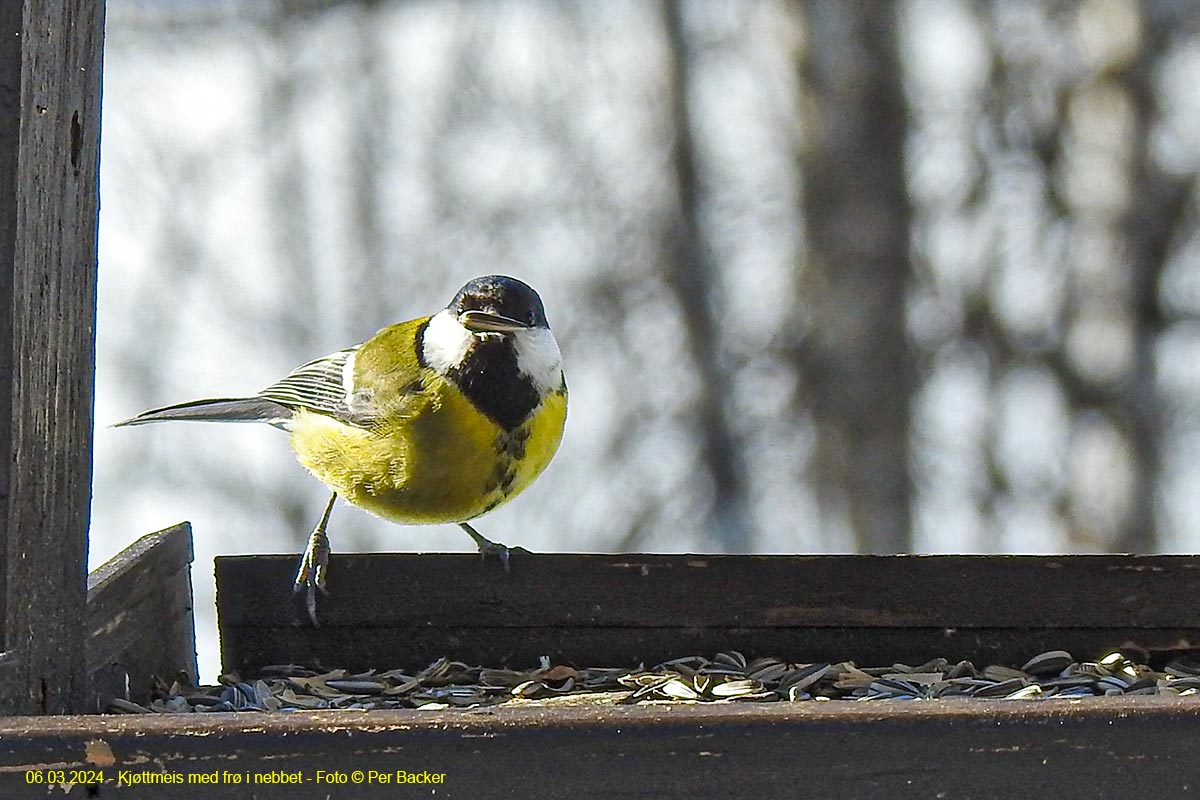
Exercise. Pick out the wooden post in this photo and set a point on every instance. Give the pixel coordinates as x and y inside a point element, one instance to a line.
<point>50,63</point>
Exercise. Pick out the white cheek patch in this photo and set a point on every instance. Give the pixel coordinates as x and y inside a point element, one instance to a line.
<point>446,342</point>
<point>539,358</point>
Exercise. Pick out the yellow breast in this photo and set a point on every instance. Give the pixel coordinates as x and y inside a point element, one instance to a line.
<point>437,459</point>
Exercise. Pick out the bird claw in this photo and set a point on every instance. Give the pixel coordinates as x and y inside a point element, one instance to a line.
<point>310,576</point>
<point>495,549</point>
<point>489,548</point>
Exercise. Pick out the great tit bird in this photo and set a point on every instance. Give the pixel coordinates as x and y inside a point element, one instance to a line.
<point>438,419</point>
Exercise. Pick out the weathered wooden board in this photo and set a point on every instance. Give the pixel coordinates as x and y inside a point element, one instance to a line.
<point>10,137</point>
<point>1102,747</point>
<point>406,610</point>
<point>50,67</point>
<point>139,618</point>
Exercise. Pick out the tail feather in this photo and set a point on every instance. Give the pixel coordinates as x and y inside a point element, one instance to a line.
<point>229,409</point>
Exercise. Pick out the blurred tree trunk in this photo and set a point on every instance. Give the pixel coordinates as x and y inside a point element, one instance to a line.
<point>292,227</point>
<point>692,277</point>
<point>284,105</point>
<point>370,268</point>
<point>1158,201</point>
<point>855,366</point>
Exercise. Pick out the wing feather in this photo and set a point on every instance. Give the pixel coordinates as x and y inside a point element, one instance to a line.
<point>222,409</point>
<point>363,385</point>
<point>323,385</point>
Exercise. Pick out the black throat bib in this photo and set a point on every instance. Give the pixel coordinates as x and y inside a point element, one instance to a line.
<point>491,380</point>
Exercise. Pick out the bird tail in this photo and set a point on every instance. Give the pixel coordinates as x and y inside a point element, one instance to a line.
<point>228,409</point>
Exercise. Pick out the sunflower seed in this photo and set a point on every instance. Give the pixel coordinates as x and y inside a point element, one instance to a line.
<point>963,669</point>
<point>1052,662</point>
<point>1000,689</point>
<point>918,678</point>
<point>735,688</point>
<point>800,678</point>
<point>768,673</point>
<point>731,659</point>
<point>998,672</point>
<point>679,690</point>
<point>1025,692</point>
<point>357,686</point>
<point>726,677</point>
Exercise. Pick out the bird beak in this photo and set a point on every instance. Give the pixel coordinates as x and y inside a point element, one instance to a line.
<point>487,322</point>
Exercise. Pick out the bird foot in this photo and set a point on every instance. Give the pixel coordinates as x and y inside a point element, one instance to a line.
<point>489,548</point>
<point>310,577</point>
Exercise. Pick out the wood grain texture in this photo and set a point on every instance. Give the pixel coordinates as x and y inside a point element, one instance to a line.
<point>387,610</point>
<point>1099,747</point>
<point>139,618</point>
<point>52,267</point>
<point>10,137</point>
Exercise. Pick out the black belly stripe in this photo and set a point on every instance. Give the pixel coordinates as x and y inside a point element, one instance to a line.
<point>510,451</point>
<point>491,380</point>
<point>511,444</point>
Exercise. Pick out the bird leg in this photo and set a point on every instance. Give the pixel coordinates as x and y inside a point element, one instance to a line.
<point>487,547</point>
<point>315,561</point>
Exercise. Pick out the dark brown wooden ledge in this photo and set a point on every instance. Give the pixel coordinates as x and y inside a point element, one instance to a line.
<point>394,610</point>
<point>1134,747</point>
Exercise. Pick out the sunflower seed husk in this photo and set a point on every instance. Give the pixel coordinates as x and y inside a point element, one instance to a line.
<point>725,677</point>
<point>731,659</point>
<point>735,688</point>
<point>1000,689</point>
<point>122,706</point>
<point>803,676</point>
<point>357,686</point>
<point>999,672</point>
<point>679,690</point>
<point>1052,662</point>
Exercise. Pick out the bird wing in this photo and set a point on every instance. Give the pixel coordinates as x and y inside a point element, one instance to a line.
<point>324,385</point>
<point>389,388</point>
<point>366,385</point>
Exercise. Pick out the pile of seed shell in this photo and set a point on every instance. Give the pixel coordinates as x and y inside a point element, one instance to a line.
<point>725,677</point>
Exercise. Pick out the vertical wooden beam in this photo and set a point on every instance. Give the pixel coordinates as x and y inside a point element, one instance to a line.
<point>49,202</point>
<point>10,134</point>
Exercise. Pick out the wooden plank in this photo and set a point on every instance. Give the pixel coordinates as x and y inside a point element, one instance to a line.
<point>139,618</point>
<point>10,134</point>
<point>387,610</point>
<point>10,666</point>
<point>49,210</point>
<point>1100,747</point>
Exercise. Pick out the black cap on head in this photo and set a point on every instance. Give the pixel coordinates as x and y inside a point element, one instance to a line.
<point>503,296</point>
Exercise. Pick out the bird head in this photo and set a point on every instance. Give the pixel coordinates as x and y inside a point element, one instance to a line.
<point>495,323</point>
<point>498,304</point>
